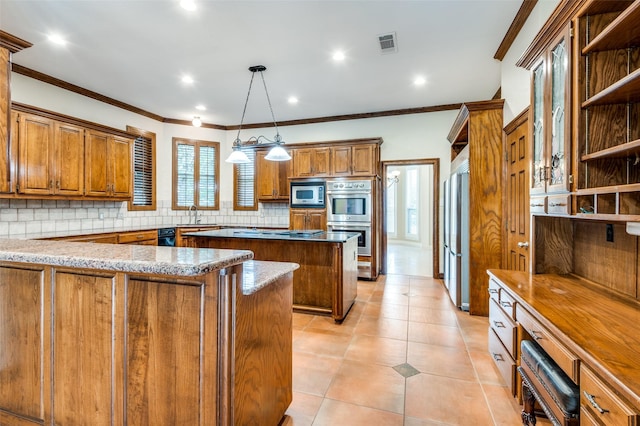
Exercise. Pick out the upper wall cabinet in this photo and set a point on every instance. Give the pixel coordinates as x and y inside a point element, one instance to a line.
<point>271,181</point>
<point>551,118</point>
<point>355,160</point>
<point>608,110</point>
<point>51,157</point>
<point>310,162</point>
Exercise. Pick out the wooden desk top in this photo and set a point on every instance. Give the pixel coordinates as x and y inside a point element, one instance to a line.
<point>599,326</point>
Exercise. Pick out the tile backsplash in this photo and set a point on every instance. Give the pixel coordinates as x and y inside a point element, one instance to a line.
<point>20,218</point>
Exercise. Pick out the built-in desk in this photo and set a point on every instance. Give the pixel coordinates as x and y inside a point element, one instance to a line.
<point>590,332</point>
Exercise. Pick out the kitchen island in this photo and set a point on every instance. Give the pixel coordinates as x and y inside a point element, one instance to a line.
<point>96,334</point>
<point>327,280</point>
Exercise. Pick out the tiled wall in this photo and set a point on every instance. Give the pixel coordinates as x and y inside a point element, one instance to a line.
<point>20,218</point>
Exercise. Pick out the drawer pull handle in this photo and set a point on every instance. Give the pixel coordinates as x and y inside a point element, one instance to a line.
<point>493,291</point>
<point>537,205</point>
<point>535,336</point>
<point>505,304</point>
<point>594,404</point>
<point>498,357</point>
<point>499,324</point>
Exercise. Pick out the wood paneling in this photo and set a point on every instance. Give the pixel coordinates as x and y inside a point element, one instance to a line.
<point>21,361</point>
<point>5,120</point>
<point>553,245</point>
<point>83,349</point>
<point>163,360</point>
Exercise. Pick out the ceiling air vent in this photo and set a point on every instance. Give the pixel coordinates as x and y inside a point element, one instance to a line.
<point>388,43</point>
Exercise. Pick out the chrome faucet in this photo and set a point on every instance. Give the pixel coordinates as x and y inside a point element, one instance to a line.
<point>195,209</point>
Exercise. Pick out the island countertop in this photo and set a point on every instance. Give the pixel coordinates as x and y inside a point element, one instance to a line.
<point>120,257</point>
<point>287,235</point>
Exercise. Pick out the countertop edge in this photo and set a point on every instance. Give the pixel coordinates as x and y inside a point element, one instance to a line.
<point>258,274</point>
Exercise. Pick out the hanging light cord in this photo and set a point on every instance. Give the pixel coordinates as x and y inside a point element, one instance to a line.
<point>273,117</point>
<point>237,141</point>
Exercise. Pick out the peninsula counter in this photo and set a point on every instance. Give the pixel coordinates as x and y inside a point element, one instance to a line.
<point>115,334</point>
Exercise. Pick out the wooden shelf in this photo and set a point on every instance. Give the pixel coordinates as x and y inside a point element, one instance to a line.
<point>597,7</point>
<point>620,34</point>
<point>619,151</point>
<point>632,187</point>
<point>624,90</point>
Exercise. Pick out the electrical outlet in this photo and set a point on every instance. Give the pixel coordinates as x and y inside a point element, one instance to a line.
<point>101,216</point>
<point>609,232</point>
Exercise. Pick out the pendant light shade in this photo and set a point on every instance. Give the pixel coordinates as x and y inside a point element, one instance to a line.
<point>277,153</point>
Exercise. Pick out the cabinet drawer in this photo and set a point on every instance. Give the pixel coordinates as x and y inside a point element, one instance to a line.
<point>507,303</point>
<point>538,205</point>
<point>504,327</point>
<point>601,403</point>
<point>559,204</point>
<point>506,365</point>
<point>565,359</point>
<point>494,290</point>
<point>137,237</point>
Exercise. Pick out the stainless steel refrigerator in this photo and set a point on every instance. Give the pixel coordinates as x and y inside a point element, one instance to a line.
<point>456,238</point>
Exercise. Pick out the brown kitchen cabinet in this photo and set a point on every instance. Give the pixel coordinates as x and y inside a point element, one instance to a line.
<point>354,160</point>
<point>310,162</point>
<point>143,238</point>
<point>51,157</point>
<point>108,165</point>
<point>307,219</point>
<point>271,178</point>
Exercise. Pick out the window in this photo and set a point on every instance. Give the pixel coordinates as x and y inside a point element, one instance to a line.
<point>412,203</point>
<point>144,170</point>
<point>244,183</point>
<point>196,171</point>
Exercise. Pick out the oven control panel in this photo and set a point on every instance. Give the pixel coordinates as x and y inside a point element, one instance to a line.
<point>350,185</point>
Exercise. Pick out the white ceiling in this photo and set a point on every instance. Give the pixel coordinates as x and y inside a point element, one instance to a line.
<point>136,52</point>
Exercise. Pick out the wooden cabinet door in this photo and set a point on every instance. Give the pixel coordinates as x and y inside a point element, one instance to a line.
<point>96,169</point>
<point>298,219</point>
<point>317,219</point>
<point>36,155</point>
<point>341,161</point>
<point>69,162</point>
<point>266,177</point>
<point>322,162</point>
<point>302,162</point>
<point>363,160</point>
<point>5,127</point>
<point>9,154</point>
<point>120,159</point>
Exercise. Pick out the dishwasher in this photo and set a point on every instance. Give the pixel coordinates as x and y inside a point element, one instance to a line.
<point>167,237</point>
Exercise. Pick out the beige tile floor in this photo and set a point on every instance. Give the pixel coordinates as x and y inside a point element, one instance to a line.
<point>403,356</point>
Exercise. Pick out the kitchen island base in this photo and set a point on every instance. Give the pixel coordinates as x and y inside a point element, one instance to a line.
<point>95,346</point>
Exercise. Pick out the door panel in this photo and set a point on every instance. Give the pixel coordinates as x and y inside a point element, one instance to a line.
<point>517,214</point>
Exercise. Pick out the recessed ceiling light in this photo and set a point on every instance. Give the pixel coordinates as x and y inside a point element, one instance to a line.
<point>201,107</point>
<point>57,39</point>
<point>419,81</point>
<point>188,5</point>
<point>292,100</point>
<point>338,55</point>
<point>187,79</point>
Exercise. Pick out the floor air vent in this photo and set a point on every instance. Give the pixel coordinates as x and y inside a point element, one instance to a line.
<point>388,43</point>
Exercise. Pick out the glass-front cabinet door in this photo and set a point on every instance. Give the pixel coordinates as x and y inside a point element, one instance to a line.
<point>550,100</point>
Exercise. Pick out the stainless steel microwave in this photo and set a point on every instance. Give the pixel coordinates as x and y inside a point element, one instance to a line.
<point>307,194</point>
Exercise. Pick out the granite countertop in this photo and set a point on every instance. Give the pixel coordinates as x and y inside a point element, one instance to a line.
<point>258,274</point>
<point>122,257</point>
<point>309,235</point>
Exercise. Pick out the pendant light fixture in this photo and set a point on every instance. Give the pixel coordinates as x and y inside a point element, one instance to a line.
<point>277,153</point>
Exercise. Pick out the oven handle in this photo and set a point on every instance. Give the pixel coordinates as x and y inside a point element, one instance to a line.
<point>350,224</point>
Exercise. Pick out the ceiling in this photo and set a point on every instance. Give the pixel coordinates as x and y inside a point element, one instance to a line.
<point>136,52</point>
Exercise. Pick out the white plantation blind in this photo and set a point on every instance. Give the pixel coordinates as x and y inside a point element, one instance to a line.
<point>196,174</point>
<point>142,172</point>
<point>244,189</point>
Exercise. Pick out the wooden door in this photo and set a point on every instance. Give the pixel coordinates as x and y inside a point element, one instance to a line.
<point>97,174</point>
<point>6,121</point>
<point>298,219</point>
<point>341,161</point>
<point>69,163</point>
<point>36,155</point>
<point>285,169</point>
<point>321,162</point>
<point>302,162</point>
<point>120,159</point>
<point>517,198</point>
<point>317,219</point>
<point>9,154</point>
<point>363,163</point>
<point>266,176</point>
